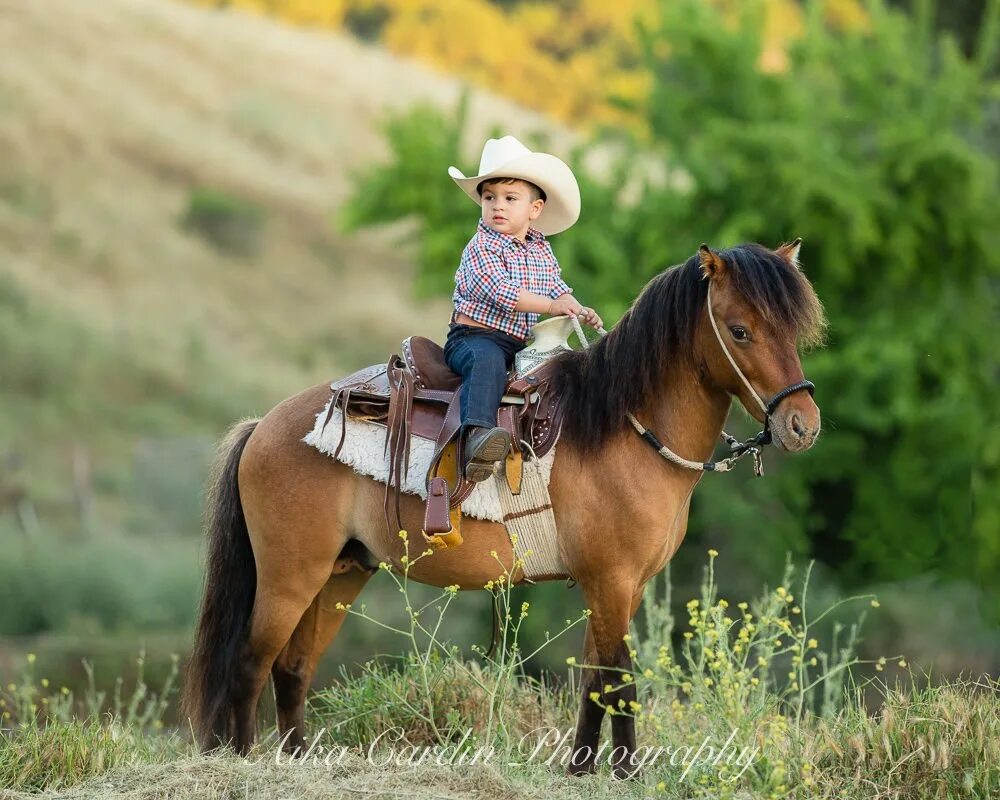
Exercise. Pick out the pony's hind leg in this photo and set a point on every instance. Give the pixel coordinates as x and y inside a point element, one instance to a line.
<point>275,618</point>
<point>293,670</point>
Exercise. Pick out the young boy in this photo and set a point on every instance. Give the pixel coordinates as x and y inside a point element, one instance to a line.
<point>508,275</point>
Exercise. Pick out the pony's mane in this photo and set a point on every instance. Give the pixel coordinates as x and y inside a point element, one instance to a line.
<point>621,370</point>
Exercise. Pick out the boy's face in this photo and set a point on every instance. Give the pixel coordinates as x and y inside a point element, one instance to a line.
<point>510,208</point>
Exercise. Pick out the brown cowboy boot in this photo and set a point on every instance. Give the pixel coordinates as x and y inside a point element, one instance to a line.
<point>483,448</point>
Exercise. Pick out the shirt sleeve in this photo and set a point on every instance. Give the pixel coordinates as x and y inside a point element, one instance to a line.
<point>559,286</point>
<point>488,280</point>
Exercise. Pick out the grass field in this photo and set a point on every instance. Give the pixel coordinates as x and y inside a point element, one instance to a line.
<point>717,717</point>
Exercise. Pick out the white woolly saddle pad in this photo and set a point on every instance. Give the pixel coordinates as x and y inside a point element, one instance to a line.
<point>364,451</point>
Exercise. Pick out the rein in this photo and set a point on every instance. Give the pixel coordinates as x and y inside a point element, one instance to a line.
<point>737,449</point>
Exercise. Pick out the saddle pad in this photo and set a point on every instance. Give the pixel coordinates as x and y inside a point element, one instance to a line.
<point>363,450</point>
<point>530,522</point>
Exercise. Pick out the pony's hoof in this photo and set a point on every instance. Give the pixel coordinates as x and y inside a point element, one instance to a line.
<point>587,768</point>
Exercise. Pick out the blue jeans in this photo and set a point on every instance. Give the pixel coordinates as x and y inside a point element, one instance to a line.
<point>482,356</point>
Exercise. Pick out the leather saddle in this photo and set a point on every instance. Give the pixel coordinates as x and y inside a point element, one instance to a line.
<point>418,395</point>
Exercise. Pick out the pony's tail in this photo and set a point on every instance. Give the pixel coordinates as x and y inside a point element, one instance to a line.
<point>227,601</point>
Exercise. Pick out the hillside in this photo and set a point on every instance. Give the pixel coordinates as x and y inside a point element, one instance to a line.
<point>115,318</point>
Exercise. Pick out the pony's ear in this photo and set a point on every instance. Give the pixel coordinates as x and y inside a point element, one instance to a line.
<point>790,252</point>
<point>712,265</point>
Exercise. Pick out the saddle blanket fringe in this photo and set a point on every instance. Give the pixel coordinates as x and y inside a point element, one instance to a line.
<point>363,450</point>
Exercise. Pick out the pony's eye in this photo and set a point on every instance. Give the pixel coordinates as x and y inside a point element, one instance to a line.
<point>740,333</point>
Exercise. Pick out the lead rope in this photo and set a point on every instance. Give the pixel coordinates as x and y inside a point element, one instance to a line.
<point>737,449</point>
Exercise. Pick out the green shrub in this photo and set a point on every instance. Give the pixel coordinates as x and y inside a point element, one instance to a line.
<point>76,583</point>
<point>50,739</point>
<point>230,224</point>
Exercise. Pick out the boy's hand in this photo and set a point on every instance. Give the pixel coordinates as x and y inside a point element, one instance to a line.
<point>591,318</point>
<point>568,305</point>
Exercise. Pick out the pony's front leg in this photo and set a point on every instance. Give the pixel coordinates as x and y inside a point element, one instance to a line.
<point>605,647</point>
<point>583,759</point>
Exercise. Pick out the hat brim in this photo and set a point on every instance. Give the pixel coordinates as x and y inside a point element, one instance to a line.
<point>555,178</point>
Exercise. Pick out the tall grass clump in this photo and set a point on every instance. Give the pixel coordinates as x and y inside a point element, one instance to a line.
<point>51,738</point>
<point>919,742</point>
<point>747,679</point>
<point>433,694</point>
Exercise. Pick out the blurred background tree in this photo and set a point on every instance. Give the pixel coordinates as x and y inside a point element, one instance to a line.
<point>579,61</point>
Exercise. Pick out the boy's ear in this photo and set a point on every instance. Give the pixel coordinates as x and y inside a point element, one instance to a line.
<point>712,265</point>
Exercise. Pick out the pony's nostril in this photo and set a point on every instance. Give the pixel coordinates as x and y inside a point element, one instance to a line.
<point>797,425</point>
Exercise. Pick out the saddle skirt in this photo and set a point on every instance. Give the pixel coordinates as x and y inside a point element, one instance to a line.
<point>415,399</point>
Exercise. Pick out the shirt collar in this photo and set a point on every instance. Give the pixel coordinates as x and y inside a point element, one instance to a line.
<point>532,238</point>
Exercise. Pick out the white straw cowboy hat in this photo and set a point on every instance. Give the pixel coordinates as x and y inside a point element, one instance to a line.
<point>508,158</point>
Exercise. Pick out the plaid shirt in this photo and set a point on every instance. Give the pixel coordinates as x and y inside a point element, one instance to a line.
<point>493,267</point>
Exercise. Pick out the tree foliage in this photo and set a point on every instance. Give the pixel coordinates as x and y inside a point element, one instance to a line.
<point>576,60</point>
<point>875,145</point>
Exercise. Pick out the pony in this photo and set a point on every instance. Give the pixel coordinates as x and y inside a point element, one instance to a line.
<point>283,519</point>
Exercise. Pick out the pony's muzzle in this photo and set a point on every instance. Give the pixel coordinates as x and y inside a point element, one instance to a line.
<point>796,427</point>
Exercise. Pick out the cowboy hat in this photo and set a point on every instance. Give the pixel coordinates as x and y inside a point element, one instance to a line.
<point>508,158</point>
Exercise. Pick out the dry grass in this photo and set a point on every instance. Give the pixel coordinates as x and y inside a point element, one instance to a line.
<point>926,743</point>
<point>136,103</point>
<point>133,106</point>
<point>113,113</point>
<point>218,777</point>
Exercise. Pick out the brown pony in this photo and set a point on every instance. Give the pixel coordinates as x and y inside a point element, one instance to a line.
<point>288,524</point>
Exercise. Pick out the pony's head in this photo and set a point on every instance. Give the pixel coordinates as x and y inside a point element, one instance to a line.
<point>759,309</point>
<point>764,308</point>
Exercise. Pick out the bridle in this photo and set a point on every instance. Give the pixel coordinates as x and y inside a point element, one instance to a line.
<point>737,449</point>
